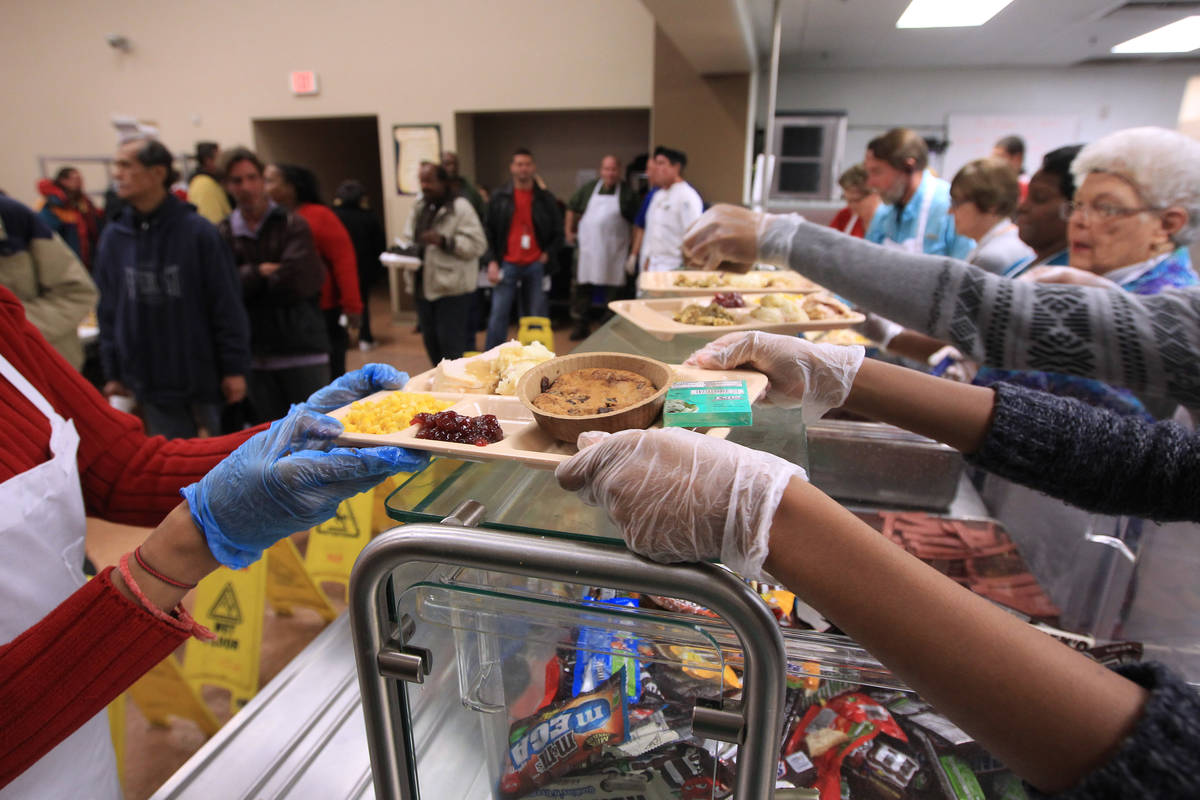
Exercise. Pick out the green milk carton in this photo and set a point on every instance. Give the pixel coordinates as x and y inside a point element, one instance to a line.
<point>707,404</point>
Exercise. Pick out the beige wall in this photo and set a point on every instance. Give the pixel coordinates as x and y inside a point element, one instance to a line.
<point>204,70</point>
<point>705,116</point>
<point>563,142</point>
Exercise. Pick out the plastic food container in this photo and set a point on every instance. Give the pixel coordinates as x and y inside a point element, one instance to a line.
<point>868,462</point>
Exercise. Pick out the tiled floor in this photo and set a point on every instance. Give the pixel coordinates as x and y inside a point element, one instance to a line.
<point>153,754</point>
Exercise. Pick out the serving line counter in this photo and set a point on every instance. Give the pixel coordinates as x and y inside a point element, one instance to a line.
<point>455,632</point>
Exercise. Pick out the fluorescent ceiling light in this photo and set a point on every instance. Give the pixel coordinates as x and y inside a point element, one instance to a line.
<point>1178,37</point>
<point>949,13</point>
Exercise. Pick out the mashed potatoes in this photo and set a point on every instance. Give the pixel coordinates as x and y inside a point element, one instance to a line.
<point>494,372</point>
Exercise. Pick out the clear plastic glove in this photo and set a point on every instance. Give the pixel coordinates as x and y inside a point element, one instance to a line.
<point>283,480</point>
<point>732,237</point>
<point>1067,275</point>
<point>355,386</point>
<point>631,263</point>
<point>815,377</point>
<point>880,330</point>
<point>682,496</point>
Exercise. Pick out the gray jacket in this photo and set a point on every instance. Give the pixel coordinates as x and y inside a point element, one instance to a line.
<point>452,271</point>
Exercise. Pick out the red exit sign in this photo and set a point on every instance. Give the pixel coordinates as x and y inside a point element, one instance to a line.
<point>303,81</point>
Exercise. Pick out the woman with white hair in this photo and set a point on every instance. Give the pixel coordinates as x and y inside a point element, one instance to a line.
<point>1129,221</point>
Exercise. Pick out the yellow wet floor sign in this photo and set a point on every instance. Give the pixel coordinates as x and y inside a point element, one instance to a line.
<point>289,583</point>
<point>231,603</point>
<point>116,730</point>
<point>335,544</point>
<point>164,692</point>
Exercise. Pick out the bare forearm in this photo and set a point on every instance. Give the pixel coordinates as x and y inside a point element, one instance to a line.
<point>955,413</point>
<point>914,345</point>
<point>1051,714</point>
<point>177,549</point>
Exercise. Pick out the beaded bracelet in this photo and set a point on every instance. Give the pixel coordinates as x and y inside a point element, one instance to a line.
<point>180,619</point>
<point>137,555</point>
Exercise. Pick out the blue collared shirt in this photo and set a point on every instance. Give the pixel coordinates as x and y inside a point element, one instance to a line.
<point>940,237</point>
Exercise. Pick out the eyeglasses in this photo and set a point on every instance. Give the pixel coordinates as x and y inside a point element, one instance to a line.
<point>1103,211</point>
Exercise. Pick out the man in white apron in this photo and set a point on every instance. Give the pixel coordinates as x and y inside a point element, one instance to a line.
<point>916,217</point>
<point>602,240</point>
<point>41,564</point>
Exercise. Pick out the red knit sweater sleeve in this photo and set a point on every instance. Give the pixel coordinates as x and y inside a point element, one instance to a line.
<point>334,245</point>
<point>65,669</point>
<point>127,476</point>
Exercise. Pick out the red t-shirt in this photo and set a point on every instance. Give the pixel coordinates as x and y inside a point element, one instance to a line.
<point>520,227</point>
<point>843,219</point>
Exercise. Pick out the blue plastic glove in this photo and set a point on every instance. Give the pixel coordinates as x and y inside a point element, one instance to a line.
<point>355,386</point>
<point>285,479</point>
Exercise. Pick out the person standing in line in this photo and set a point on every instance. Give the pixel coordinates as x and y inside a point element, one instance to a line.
<point>916,217</point>
<point>672,211</point>
<point>366,234</point>
<point>281,276</point>
<point>45,274</point>
<point>1011,150</point>
<point>449,238</point>
<point>68,211</point>
<point>637,250</point>
<point>204,189</point>
<point>861,203</point>
<point>461,185</point>
<point>296,188</point>
<point>598,227</point>
<point>173,331</point>
<point>524,231</point>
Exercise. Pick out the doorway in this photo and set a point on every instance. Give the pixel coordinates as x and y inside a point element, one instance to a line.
<point>335,148</point>
<point>567,145</point>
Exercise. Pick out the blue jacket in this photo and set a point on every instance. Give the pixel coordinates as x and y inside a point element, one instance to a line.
<point>172,323</point>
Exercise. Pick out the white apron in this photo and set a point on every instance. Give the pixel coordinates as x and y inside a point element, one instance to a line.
<point>850,225</point>
<point>604,237</point>
<point>917,243</point>
<point>41,564</point>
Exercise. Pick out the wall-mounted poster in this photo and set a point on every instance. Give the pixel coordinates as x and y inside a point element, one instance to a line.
<point>414,144</point>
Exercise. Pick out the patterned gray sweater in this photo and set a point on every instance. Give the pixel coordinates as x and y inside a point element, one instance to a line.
<point>1150,344</point>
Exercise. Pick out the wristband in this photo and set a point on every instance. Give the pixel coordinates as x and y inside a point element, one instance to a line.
<point>137,556</point>
<point>179,619</point>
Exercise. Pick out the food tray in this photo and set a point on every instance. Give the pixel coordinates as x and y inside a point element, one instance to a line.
<point>655,318</point>
<point>662,284</point>
<point>524,441</point>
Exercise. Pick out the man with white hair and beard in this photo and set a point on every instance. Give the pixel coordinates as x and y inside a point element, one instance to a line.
<point>916,216</point>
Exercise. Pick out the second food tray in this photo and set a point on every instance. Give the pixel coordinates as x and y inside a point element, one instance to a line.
<point>656,317</point>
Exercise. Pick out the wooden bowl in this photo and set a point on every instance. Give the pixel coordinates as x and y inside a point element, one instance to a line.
<point>567,428</point>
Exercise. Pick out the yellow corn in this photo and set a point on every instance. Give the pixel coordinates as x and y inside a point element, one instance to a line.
<point>392,413</point>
